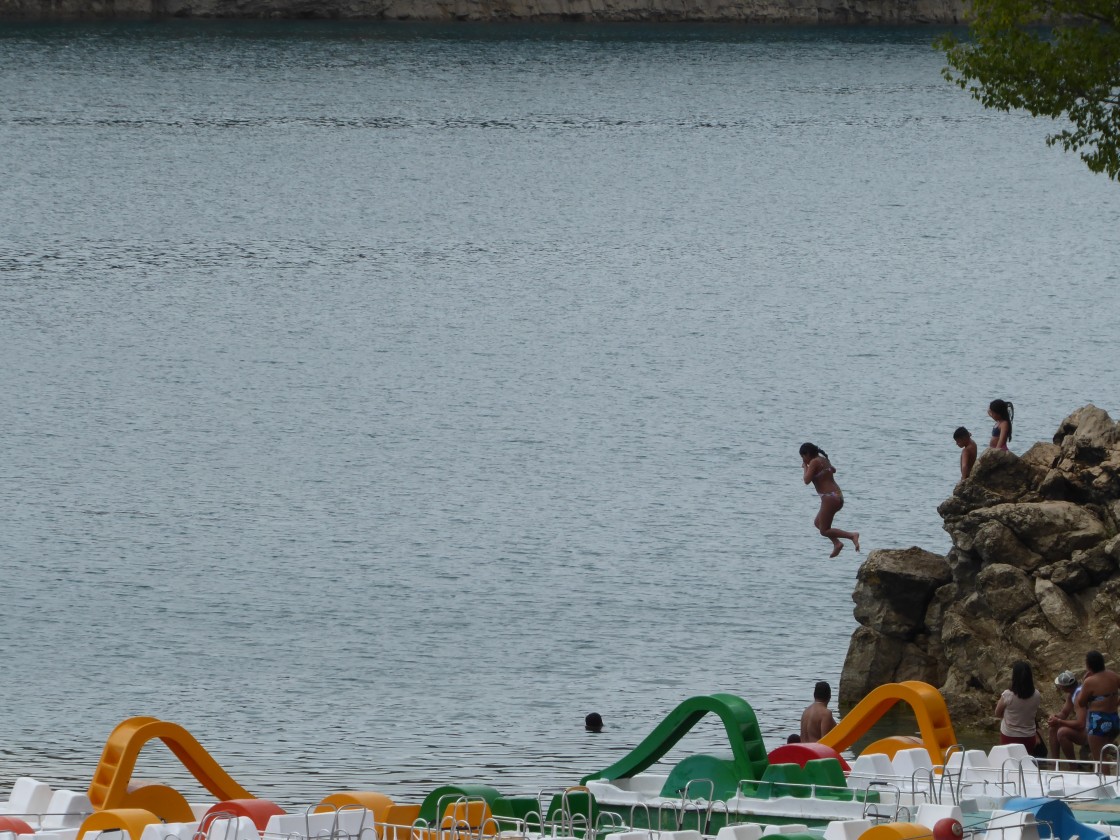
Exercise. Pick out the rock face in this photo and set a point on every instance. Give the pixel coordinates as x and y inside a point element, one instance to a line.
<point>743,11</point>
<point>1034,574</point>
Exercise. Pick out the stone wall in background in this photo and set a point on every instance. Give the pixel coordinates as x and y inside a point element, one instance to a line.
<point>1033,574</point>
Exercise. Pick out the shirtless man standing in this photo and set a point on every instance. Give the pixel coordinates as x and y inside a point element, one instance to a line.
<point>1100,697</point>
<point>817,719</point>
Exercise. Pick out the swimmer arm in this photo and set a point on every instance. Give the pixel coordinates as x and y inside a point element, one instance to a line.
<point>810,470</point>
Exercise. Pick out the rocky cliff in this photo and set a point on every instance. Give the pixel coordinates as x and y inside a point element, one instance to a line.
<point>1034,574</point>
<point>743,11</point>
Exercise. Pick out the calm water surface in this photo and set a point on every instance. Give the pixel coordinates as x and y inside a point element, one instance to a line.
<point>380,400</point>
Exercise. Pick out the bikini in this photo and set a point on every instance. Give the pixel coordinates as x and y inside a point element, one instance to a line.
<point>995,435</point>
<point>830,492</point>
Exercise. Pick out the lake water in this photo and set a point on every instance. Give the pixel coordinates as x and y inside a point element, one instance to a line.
<point>379,400</point>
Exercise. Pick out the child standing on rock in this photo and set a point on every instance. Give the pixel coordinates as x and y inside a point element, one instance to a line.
<point>968,450</point>
<point>1003,412</point>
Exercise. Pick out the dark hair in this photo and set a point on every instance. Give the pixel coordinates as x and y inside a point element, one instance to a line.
<point>961,433</point>
<point>593,722</point>
<point>822,691</point>
<point>1022,680</point>
<point>1094,661</point>
<point>1004,410</point>
<point>812,451</point>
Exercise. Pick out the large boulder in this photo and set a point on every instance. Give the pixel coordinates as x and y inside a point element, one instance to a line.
<point>894,588</point>
<point>1034,574</point>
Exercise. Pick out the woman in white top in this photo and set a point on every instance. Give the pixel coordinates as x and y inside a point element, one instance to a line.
<point>1018,708</point>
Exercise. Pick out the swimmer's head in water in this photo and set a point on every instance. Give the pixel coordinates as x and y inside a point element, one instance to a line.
<point>593,722</point>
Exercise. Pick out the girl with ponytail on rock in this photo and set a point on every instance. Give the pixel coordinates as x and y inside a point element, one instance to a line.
<point>817,469</point>
<point>1003,412</point>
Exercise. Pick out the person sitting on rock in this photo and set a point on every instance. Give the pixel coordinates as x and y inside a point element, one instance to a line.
<point>968,450</point>
<point>1003,412</point>
<point>1067,727</point>
<point>1018,707</point>
<point>1100,698</point>
<point>817,719</point>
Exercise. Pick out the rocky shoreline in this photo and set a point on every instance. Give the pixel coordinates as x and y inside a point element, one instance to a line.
<point>790,12</point>
<point>1033,574</point>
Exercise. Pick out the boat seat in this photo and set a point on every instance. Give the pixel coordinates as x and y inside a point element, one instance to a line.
<point>684,834</point>
<point>868,768</point>
<point>929,813</point>
<point>907,762</point>
<point>169,831</point>
<point>742,831</point>
<point>630,835</point>
<point>790,828</point>
<point>1007,752</point>
<point>237,828</point>
<point>349,821</point>
<point>29,797</point>
<point>57,834</point>
<point>846,829</point>
<point>1014,825</point>
<point>827,777</point>
<point>779,780</point>
<point>66,809</point>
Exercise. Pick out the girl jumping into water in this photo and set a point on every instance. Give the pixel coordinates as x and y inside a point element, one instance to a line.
<point>1003,413</point>
<point>821,473</point>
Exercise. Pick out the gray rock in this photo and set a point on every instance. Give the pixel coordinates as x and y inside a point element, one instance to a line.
<point>1060,610</point>
<point>1052,529</point>
<point>1007,590</point>
<point>894,588</point>
<point>1034,574</point>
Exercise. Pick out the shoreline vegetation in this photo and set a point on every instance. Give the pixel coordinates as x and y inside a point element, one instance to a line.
<point>787,12</point>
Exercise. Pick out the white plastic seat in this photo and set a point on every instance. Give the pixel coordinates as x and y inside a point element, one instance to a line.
<point>873,764</point>
<point>56,834</point>
<point>929,814</point>
<point>1014,825</point>
<point>908,762</point>
<point>742,831</point>
<point>349,821</point>
<point>305,825</point>
<point>977,759</point>
<point>66,809</point>
<point>241,828</point>
<point>791,828</point>
<point>29,797</point>
<point>169,831</point>
<point>999,754</point>
<point>630,835</point>
<point>868,768</point>
<point>846,829</point>
<point>686,834</point>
